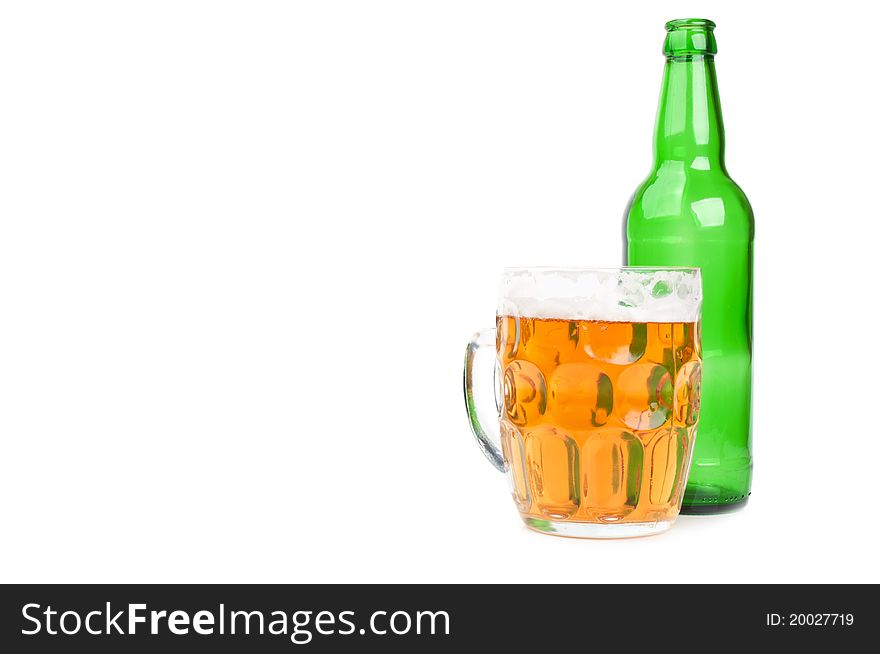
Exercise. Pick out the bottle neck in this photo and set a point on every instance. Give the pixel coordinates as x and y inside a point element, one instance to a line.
<point>689,127</point>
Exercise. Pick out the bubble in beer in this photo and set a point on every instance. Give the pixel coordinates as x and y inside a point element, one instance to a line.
<point>525,392</point>
<point>686,406</point>
<point>581,395</point>
<point>644,396</point>
<point>620,343</point>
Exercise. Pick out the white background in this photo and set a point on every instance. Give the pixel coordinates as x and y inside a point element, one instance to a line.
<point>244,244</point>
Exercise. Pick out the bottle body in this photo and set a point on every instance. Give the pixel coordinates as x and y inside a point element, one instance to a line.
<point>671,233</point>
<point>689,212</point>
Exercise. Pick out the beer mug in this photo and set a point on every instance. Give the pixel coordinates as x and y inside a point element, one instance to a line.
<point>596,395</point>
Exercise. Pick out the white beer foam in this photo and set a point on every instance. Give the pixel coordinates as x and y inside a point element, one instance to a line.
<point>610,295</point>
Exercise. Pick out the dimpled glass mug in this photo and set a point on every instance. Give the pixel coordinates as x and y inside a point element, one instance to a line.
<point>596,395</point>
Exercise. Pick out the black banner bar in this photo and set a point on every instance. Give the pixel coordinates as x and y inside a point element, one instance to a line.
<point>406,618</point>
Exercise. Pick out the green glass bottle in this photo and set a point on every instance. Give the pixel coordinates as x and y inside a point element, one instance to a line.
<point>689,212</point>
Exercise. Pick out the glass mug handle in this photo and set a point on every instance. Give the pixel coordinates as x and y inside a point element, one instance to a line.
<point>480,353</point>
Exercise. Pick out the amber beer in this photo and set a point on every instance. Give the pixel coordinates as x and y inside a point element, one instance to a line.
<point>598,417</point>
<point>596,395</point>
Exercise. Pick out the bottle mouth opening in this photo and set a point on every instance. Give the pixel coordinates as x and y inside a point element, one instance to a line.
<point>690,36</point>
<point>690,23</point>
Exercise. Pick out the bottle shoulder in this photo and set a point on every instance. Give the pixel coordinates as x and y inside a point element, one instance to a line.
<point>707,200</point>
